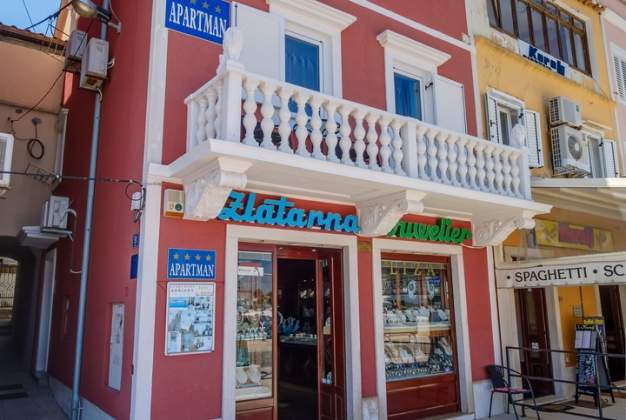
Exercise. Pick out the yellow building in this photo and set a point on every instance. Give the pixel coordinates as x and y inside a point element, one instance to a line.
<point>543,83</point>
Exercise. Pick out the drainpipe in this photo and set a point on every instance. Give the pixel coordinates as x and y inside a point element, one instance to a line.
<point>84,271</point>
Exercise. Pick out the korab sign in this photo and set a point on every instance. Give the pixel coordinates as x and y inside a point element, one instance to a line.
<point>206,19</point>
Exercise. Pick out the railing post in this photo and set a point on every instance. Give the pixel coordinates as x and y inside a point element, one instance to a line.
<point>409,149</point>
<point>524,174</point>
<point>232,71</point>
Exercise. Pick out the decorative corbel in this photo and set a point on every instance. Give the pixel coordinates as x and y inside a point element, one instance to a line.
<point>207,190</point>
<point>379,215</point>
<point>495,231</point>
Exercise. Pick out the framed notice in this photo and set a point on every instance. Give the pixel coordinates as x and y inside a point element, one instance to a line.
<point>190,326</point>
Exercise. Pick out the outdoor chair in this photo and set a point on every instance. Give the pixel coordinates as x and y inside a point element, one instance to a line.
<point>498,376</point>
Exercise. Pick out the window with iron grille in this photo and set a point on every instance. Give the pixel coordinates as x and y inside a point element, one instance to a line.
<point>544,25</point>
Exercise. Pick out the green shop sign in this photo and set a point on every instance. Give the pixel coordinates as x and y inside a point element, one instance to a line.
<point>440,232</point>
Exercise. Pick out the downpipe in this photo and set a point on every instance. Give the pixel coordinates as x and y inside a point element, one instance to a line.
<point>84,272</point>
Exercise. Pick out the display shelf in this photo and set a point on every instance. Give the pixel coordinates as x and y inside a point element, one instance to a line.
<point>412,328</point>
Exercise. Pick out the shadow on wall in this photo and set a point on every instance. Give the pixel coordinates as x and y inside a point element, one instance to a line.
<point>25,302</point>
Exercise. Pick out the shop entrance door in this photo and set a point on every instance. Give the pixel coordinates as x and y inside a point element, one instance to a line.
<point>296,370</point>
<point>534,335</point>
<point>614,327</point>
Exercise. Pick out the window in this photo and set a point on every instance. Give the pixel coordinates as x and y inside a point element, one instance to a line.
<point>602,156</point>
<point>408,95</point>
<point>6,153</point>
<point>418,318</point>
<point>507,119</point>
<point>545,26</point>
<point>302,63</point>
<point>505,115</point>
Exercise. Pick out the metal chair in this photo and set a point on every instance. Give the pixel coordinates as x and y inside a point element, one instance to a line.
<point>498,376</point>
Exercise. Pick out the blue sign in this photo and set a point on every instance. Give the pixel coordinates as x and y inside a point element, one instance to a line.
<point>134,263</point>
<point>190,264</point>
<point>282,212</point>
<point>543,58</point>
<point>206,19</point>
<point>135,240</point>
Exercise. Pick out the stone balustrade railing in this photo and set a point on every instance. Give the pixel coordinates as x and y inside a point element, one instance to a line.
<point>270,114</point>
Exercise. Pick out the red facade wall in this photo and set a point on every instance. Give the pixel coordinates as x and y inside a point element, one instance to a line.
<point>120,156</point>
<point>199,377</point>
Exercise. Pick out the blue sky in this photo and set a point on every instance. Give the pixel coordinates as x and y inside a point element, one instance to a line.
<point>12,12</point>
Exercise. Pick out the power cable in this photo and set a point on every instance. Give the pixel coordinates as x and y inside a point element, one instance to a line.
<point>53,15</point>
<point>27,12</point>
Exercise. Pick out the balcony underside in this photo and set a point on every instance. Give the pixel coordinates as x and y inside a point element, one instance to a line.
<point>212,169</point>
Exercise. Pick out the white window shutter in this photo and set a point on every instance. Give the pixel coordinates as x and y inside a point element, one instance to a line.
<point>619,67</point>
<point>449,104</point>
<point>493,130</point>
<point>532,121</point>
<point>263,39</point>
<point>609,154</point>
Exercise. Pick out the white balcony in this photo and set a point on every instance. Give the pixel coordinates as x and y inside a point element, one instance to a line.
<point>248,131</point>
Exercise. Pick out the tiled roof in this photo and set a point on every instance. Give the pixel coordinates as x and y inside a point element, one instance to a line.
<point>12,33</point>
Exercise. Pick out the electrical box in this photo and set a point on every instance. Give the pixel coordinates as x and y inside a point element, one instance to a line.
<point>563,110</point>
<point>6,157</point>
<point>94,65</point>
<point>74,51</point>
<point>174,203</point>
<point>54,213</point>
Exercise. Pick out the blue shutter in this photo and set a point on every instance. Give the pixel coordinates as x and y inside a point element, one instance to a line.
<point>302,63</point>
<point>407,92</point>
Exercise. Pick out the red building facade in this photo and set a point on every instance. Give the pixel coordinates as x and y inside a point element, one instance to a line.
<point>353,111</point>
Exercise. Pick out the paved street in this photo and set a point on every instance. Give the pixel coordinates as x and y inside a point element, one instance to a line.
<point>38,404</point>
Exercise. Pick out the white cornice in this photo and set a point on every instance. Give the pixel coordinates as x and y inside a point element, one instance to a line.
<point>412,50</point>
<point>312,11</point>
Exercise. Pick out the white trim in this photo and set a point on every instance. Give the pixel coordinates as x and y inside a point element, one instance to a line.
<point>412,52</point>
<point>413,24</point>
<point>464,365</point>
<point>348,243</point>
<point>145,300</point>
<point>613,18</point>
<point>493,302</point>
<point>45,316</point>
<point>320,22</point>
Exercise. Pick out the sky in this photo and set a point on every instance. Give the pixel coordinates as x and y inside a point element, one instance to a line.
<point>13,12</point>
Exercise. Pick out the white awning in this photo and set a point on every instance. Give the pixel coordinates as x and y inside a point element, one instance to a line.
<point>607,268</point>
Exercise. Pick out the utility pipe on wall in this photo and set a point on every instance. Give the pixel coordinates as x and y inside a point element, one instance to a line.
<point>84,272</point>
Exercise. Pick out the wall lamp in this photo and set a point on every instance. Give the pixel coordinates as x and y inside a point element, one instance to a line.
<point>88,9</point>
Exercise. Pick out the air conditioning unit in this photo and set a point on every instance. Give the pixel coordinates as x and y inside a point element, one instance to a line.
<point>94,65</point>
<point>54,214</point>
<point>570,154</point>
<point>6,157</point>
<point>174,203</point>
<point>74,51</point>
<point>562,110</point>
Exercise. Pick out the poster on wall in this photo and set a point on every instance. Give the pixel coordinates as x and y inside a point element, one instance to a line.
<point>567,235</point>
<point>190,317</point>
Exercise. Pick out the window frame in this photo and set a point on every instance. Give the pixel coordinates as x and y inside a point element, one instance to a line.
<point>563,19</point>
<point>421,77</point>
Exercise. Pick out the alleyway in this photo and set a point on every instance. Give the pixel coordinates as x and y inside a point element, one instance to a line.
<point>20,395</point>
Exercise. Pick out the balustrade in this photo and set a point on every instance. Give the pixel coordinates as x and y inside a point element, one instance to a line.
<point>289,119</point>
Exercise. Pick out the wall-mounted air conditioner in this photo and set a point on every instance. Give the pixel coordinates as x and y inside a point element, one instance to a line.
<point>562,110</point>
<point>74,51</point>
<point>94,65</point>
<point>54,213</point>
<point>6,157</point>
<point>570,154</point>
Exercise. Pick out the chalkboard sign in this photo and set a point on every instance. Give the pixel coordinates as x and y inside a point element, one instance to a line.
<point>591,368</point>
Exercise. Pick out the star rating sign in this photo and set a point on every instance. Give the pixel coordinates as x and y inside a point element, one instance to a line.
<point>197,257</point>
<point>187,257</point>
<point>193,1</point>
<point>176,256</point>
<point>208,257</point>
<point>205,5</point>
<point>218,9</point>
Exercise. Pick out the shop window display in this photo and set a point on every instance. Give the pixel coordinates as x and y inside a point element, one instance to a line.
<point>254,325</point>
<point>418,319</point>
